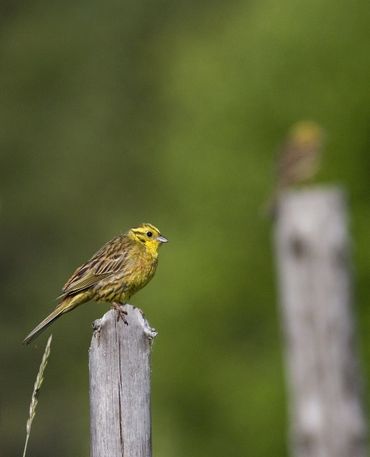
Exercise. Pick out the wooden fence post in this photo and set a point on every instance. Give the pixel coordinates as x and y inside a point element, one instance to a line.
<point>324,387</point>
<point>119,367</point>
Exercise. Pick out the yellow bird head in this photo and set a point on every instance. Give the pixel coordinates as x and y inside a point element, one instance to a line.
<point>148,235</point>
<point>306,133</point>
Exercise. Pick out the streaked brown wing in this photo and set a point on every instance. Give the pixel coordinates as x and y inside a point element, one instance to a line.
<point>289,156</point>
<point>297,163</point>
<point>109,260</point>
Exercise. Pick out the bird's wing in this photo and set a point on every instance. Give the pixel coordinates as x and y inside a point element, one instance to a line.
<point>290,154</point>
<point>109,260</point>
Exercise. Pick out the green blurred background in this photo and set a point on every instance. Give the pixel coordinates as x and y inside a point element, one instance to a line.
<point>118,112</point>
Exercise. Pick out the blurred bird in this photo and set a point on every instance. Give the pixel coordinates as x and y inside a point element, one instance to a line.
<point>116,272</point>
<point>299,158</point>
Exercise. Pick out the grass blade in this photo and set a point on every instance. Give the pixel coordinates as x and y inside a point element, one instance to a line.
<point>35,393</point>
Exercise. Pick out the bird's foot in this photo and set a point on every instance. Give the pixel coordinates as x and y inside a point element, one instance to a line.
<point>121,313</point>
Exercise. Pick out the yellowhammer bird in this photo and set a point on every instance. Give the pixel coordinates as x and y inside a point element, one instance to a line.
<point>298,159</point>
<point>300,155</point>
<point>118,270</point>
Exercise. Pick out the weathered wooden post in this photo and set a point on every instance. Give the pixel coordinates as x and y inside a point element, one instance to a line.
<point>314,269</point>
<point>119,366</point>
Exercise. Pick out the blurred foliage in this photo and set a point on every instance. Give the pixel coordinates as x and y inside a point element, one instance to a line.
<point>118,112</point>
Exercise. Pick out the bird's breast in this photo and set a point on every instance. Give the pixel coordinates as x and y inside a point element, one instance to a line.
<point>141,272</point>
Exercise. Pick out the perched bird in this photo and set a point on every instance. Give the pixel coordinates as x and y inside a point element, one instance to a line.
<point>118,270</point>
<point>299,158</point>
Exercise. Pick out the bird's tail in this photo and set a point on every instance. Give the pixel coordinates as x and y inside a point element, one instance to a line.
<point>65,306</point>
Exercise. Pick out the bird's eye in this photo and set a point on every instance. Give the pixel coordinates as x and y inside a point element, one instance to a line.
<point>149,234</point>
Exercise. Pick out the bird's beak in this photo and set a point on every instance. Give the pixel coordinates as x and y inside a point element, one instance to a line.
<point>162,239</point>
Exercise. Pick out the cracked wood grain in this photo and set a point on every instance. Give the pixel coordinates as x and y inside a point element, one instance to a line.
<point>119,371</point>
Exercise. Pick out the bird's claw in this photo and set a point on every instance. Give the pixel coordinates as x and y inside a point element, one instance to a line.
<point>121,313</point>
